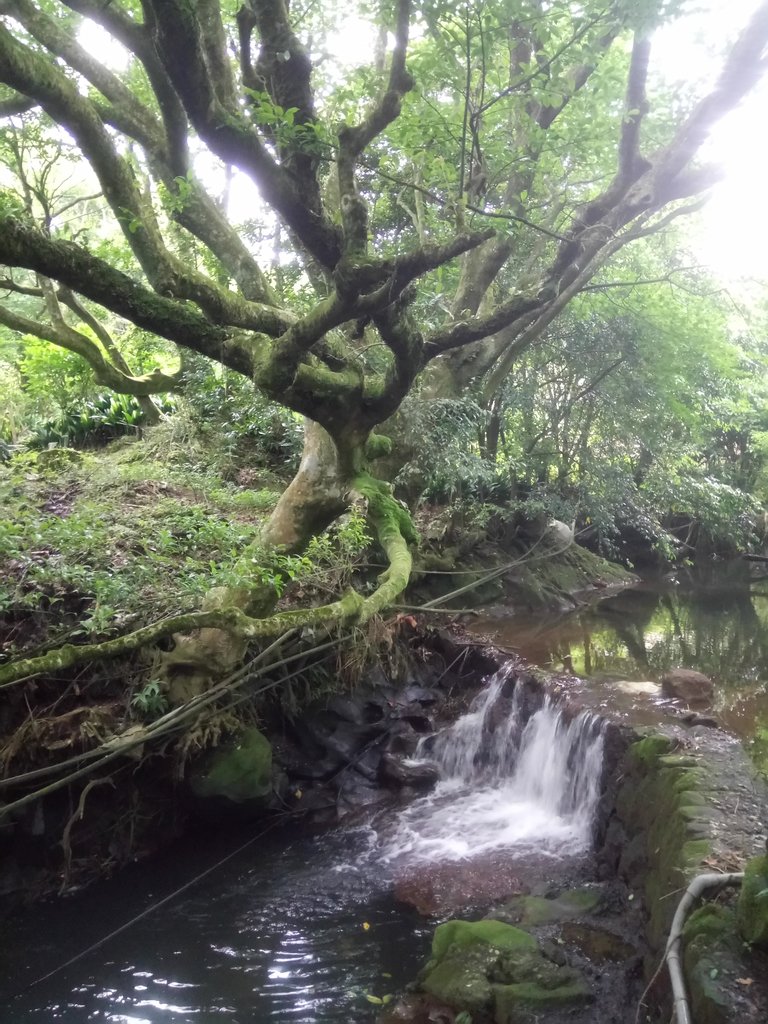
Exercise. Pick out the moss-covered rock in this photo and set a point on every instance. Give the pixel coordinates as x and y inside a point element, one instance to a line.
<point>710,958</point>
<point>753,903</point>
<point>648,750</point>
<point>494,969</point>
<point>466,933</point>
<point>664,809</point>
<point>461,978</point>
<point>523,1000</point>
<point>239,772</point>
<point>675,806</point>
<point>54,460</point>
<point>557,573</point>
<point>532,911</point>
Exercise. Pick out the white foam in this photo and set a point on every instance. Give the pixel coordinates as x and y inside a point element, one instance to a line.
<point>505,783</point>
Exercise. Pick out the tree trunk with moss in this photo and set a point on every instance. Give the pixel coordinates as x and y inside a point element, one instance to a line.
<point>315,497</point>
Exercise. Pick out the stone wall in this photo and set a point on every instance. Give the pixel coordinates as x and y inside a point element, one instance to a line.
<point>680,812</point>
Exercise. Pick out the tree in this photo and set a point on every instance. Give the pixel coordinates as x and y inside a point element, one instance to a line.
<point>429,268</point>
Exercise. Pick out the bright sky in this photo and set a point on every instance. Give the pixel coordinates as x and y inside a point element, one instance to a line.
<point>729,235</point>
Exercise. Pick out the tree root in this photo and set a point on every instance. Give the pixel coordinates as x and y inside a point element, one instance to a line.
<point>394,530</point>
<point>348,609</point>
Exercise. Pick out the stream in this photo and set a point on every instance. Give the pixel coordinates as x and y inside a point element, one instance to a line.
<point>712,617</point>
<point>306,928</point>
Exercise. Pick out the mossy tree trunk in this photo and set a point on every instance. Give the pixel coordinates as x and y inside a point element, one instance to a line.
<point>315,497</point>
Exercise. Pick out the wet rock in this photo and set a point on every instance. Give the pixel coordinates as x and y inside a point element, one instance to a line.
<point>336,736</point>
<point>497,716</point>
<point>493,933</point>
<point>419,721</point>
<point>302,767</point>
<point>634,687</point>
<point>531,694</point>
<point>722,987</point>
<point>398,773</point>
<point>315,800</point>
<point>348,741</point>
<point>613,845</point>
<point>688,685</point>
<point>347,710</point>
<point>460,979</point>
<point>553,952</point>
<point>537,984</point>
<point>367,764</point>
<point>598,944</point>
<point>692,719</point>
<point>353,732</point>
<point>495,970</point>
<point>235,775</point>
<point>356,793</point>
<point>421,694</point>
<point>375,708</point>
<point>452,886</point>
<point>417,1009</point>
<point>375,678</point>
<point>402,738</point>
<point>634,859</point>
<point>532,911</point>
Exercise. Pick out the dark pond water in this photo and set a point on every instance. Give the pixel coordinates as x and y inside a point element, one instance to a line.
<point>293,931</point>
<point>713,618</point>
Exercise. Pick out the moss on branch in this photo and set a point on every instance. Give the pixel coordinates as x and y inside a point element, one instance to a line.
<point>377,446</point>
<point>395,531</point>
<point>232,620</point>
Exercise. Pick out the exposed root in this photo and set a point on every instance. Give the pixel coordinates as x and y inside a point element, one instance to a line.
<point>77,816</point>
<point>395,532</point>
<point>78,729</point>
<point>207,731</point>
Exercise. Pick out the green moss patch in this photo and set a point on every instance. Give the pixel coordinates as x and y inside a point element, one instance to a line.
<point>492,933</point>
<point>663,804</point>
<point>753,903</point>
<point>549,578</point>
<point>532,911</point>
<point>461,978</point>
<point>239,772</point>
<point>512,1001</point>
<point>711,960</point>
<point>494,969</point>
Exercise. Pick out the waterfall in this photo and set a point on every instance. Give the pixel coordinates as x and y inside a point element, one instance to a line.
<point>506,781</point>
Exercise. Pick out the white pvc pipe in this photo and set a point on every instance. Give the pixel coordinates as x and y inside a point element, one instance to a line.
<point>681,1007</point>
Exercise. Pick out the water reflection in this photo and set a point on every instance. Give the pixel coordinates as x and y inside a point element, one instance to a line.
<point>275,935</point>
<point>712,618</point>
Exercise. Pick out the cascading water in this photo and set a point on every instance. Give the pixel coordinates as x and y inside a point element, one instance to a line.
<point>505,782</point>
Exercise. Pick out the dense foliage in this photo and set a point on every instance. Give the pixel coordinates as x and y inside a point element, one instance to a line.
<point>452,252</point>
